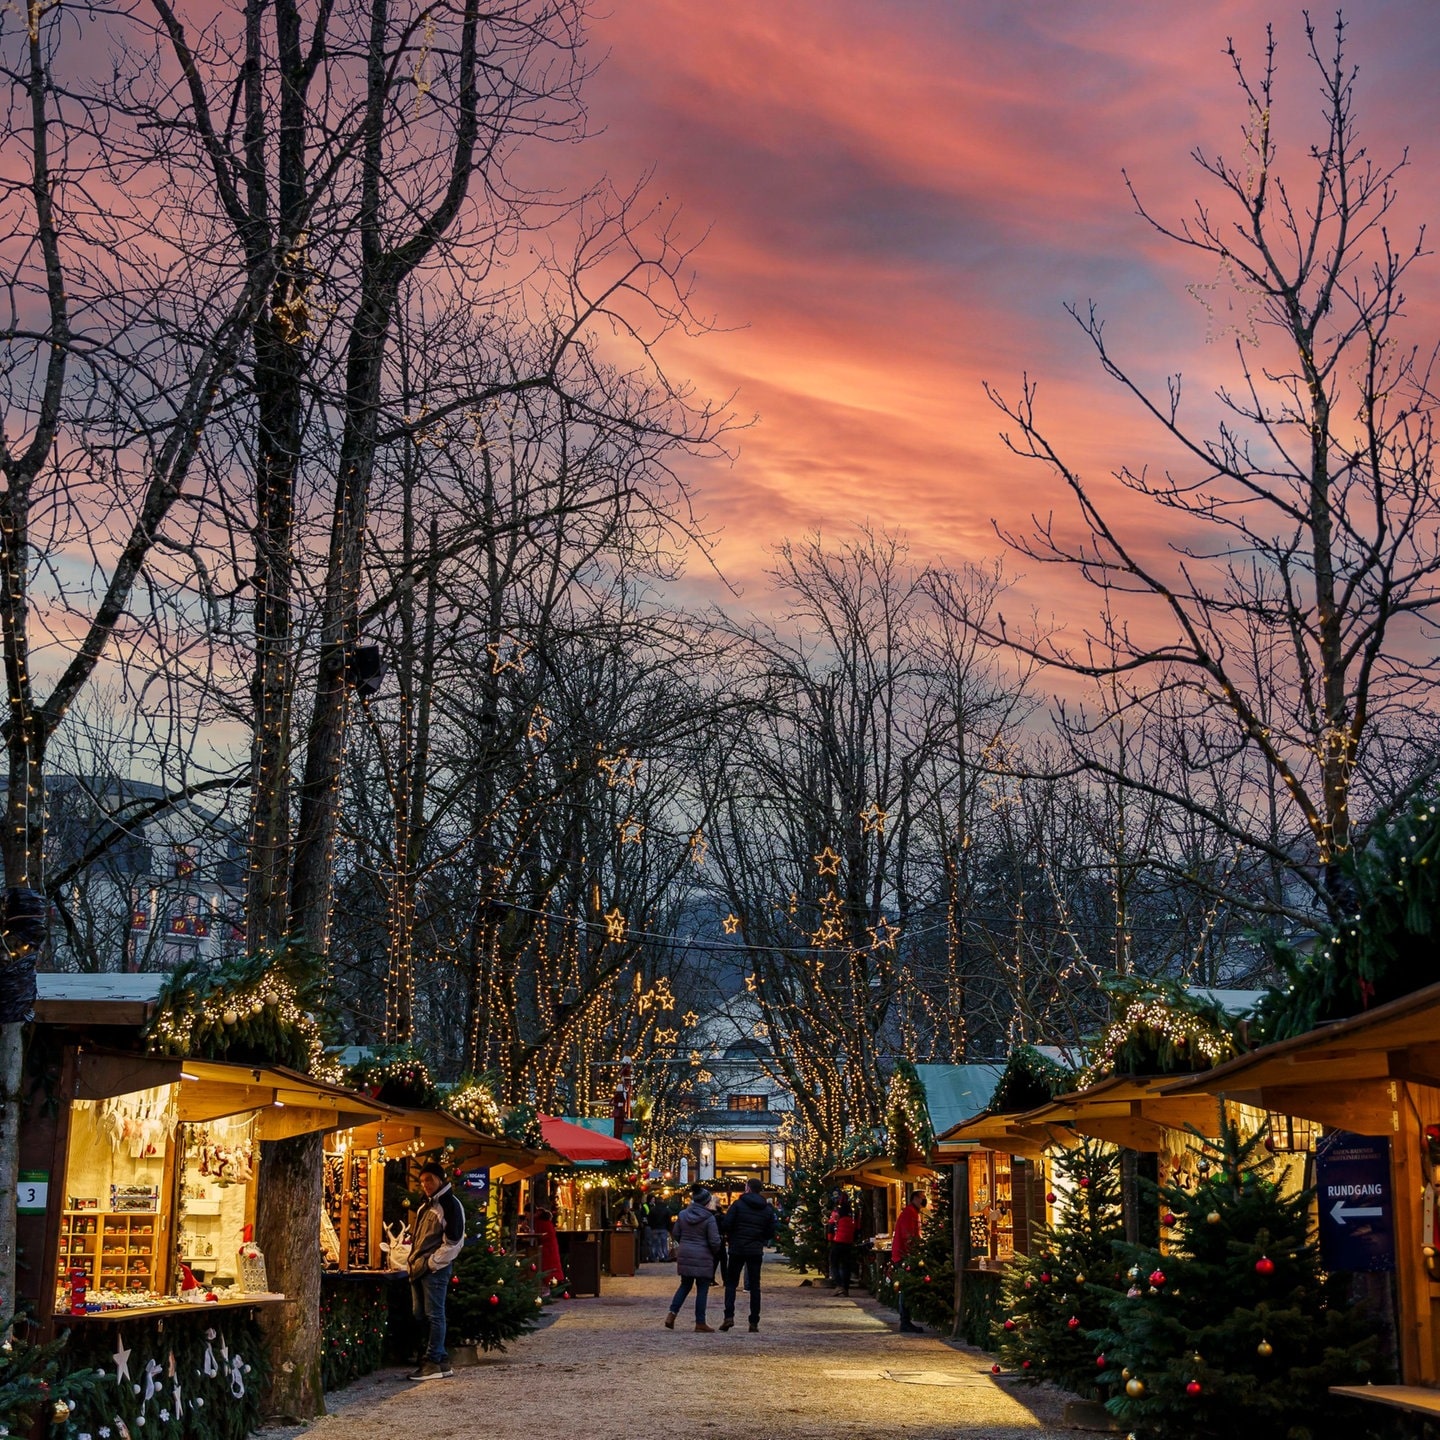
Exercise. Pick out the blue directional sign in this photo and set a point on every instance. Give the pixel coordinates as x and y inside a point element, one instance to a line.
<point>1357,1213</point>
<point>477,1182</point>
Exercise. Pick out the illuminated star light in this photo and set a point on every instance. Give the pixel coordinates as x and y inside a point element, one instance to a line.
<point>699,845</point>
<point>666,1037</point>
<point>827,862</point>
<point>732,923</point>
<point>620,769</point>
<point>751,983</point>
<point>615,925</point>
<point>539,728</point>
<point>690,1019</point>
<point>873,819</point>
<point>632,832</point>
<point>884,935</point>
<point>515,661</point>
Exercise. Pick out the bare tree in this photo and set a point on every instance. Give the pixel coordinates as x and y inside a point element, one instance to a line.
<point>1295,608</point>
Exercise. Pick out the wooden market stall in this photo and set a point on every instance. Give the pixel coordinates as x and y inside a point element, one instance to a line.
<point>355,1160</point>
<point>152,1169</point>
<point>1374,1075</point>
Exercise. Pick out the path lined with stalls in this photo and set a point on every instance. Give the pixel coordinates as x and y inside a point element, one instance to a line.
<point>821,1367</point>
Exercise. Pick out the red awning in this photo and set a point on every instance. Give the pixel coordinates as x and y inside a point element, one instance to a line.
<point>576,1143</point>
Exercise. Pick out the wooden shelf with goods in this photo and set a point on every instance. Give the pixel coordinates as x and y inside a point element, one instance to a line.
<point>128,1250</point>
<point>79,1243</point>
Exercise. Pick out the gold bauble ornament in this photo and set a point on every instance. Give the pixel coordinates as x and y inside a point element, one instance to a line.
<point>1213,1218</point>
<point>1124,1374</point>
<point>230,1017</point>
<point>61,1413</point>
<point>1079,1279</point>
<point>1134,1388</point>
<point>1265,1349</point>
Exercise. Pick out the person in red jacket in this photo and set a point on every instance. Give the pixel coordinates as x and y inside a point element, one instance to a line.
<point>902,1242</point>
<point>841,1227</point>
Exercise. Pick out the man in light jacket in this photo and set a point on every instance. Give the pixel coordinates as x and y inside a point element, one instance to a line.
<point>438,1232</point>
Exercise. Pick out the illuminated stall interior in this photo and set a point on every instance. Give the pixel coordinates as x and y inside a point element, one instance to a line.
<point>353,1224</point>
<point>160,1176</point>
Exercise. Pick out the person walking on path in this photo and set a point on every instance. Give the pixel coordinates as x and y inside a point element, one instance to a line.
<point>842,1243</point>
<point>905,1238</point>
<point>439,1236</point>
<point>697,1234</point>
<point>749,1227</point>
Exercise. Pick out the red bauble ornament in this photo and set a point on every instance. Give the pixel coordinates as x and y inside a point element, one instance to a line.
<point>1045,1278</point>
<point>1100,1362</point>
<point>1193,1388</point>
<point>995,1369</point>
<point>1157,1277</point>
<point>1084,1182</point>
<point>494,1299</point>
<point>1009,1324</point>
<point>1072,1323</point>
<point>1168,1218</point>
<point>1024,1364</point>
<point>927,1279</point>
<point>1264,1266</point>
<point>1050,1197</point>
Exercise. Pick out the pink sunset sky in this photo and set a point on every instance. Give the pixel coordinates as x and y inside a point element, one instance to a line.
<point>901,197</point>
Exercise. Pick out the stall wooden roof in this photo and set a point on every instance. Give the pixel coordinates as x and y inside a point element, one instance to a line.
<point>879,1172</point>
<point>403,1130</point>
<point>1129,1110</point>
<point>285,1102</point>
<point>1341,1073</point>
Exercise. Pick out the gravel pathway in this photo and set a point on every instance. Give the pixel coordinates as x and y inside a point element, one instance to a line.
<point>607,1369</point>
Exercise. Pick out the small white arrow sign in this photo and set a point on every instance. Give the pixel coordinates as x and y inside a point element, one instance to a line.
<point>1340,1212</point>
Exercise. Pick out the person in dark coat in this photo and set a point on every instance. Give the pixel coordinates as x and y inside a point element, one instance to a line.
<point>697,1234</point>
<point>749,1227</point>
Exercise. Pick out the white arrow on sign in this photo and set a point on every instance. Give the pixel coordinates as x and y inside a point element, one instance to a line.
<point>1340,1212</point>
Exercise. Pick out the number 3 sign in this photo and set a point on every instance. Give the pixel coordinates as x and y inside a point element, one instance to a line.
<point>32,1194</point>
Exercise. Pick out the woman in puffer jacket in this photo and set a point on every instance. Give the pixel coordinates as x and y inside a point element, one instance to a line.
<point>697,1234</point>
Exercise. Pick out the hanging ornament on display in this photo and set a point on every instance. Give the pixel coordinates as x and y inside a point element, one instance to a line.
<point>1265,1349</point>
<point>121,1357</point>
<point>1213,1218</point>
<point>1073,1323</point>
<point>1135,1388</point>
<point>1099,1362</point>
<point>1264,1266</point>
<point>1157,1277</point>
<point>61,1413</point>
<point>1193,1388</point>
<point>1079,1279</point>
<point>1133,1293</point>
<point>1133,1273</point>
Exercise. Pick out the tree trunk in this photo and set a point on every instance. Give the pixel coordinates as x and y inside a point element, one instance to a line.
<point>12,1052</point>
<point>287,1229</point>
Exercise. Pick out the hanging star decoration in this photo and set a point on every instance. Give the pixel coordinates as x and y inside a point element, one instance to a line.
<point>831,931</point>
<point>751,983</point>
<point>831,904</point>
<point>704,1076</point>
<point>539,728</point>
<point>121,1357</point>
<point>500,662</point>
<point>760,1030</point>
<point>827,862</point>
<point>666,1037</point>
<point>884,935</point>
<point>620,768</point>
<point>732,923</point>
<point>699,845</point>
<point>690,1019</point>
<point>794,902</point>
<point>647,999</point>
<point>872,819</point>
<point>615,925</point>
<point>632,832</point>
<point>696,1058</point>
<point>664,996</point>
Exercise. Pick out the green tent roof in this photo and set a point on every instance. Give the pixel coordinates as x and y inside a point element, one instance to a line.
<point>956,1092</point>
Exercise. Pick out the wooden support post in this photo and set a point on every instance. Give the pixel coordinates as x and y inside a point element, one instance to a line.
<point>960,1237</point>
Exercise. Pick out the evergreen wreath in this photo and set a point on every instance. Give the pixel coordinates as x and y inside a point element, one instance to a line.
<point>268,1008</point>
